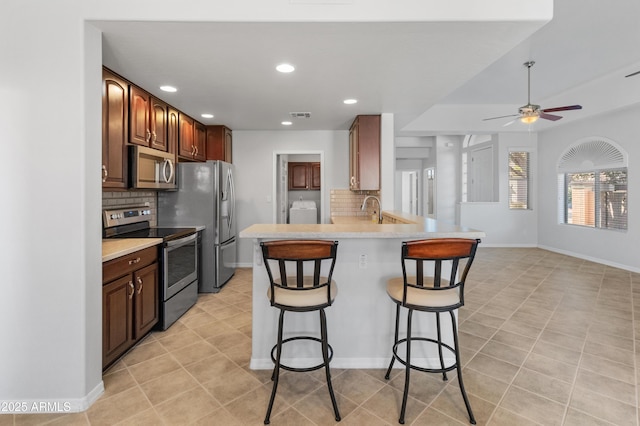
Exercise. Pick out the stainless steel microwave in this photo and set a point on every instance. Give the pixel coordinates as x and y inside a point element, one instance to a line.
<point>151,168</point>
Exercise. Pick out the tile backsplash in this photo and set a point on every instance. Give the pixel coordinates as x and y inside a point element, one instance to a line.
<point>132,198</point>
<point>345,202</point>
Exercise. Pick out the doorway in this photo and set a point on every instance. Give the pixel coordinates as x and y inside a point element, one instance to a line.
<point>283,196</point>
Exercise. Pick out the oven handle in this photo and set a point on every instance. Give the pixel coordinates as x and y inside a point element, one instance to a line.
<point>181,241</point>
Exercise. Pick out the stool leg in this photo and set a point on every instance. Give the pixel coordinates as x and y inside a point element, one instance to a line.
<point>472,419</point>
<point>407,369</point>
<point>325,357</point>
<point>395,341</point>
<point>275,376</point>
<point>444,373</point>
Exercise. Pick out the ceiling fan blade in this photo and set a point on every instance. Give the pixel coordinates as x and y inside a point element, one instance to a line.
<point>509,123</point>
<point>550,116</point>
<point>632,74</point>
<point>564,108</point>
<point>502,116</point>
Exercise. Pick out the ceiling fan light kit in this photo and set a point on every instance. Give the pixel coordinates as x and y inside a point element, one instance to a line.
<point>530,113</point>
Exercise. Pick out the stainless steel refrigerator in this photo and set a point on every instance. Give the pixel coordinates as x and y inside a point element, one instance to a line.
<point>205,197</point>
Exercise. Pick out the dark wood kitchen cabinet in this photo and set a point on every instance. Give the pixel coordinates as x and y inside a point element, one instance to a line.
<point>200,139</point>
<point>219,143</point>
<point>173,131</point>
<point>192,141</point>
<point>148,117</point>
<point>304,176</point>
<point>130,301</point>
<point>364,153</point>
<point>115,117</point>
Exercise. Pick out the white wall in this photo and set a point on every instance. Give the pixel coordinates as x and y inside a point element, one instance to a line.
<point>505,227</point>
<point>253,159</point>
<point>611,247</point>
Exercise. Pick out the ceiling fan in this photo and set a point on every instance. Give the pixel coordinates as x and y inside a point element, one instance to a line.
<point>530,113</point>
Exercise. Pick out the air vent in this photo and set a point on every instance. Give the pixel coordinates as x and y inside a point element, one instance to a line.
<point>300,114</point>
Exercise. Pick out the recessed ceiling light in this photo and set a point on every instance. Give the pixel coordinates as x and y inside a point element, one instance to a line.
<point>206,115</point>
<point>286,68</point>
<point>350,101</point>
<point>286,123</point>
<point>168,89</point>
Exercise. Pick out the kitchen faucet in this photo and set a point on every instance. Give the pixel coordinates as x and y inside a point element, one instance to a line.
<point>364,203</point>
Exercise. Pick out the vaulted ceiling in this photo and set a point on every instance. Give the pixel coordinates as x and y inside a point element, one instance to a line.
<point>436,77</point>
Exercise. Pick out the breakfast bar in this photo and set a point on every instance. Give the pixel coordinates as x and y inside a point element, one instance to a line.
<point>360,321</point>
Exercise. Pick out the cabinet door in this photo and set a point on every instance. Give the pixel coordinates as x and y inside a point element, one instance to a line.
<point>219,143</point>
<point>200,139</point>
<point>159,115</point>
<point>228,144</point>
<point>364,153</point>
<point>186,148</point>
<point>315,175</point>
<point>369,153</point>
<point>115,116</point>
<point>146,300</point>
<point>173,134</point>
<point>354,178</point>
<point>139,107</point>
<point>117,315</point>
<point>298,176</point>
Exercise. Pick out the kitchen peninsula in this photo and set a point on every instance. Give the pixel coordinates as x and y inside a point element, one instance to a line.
<point>360,322</point>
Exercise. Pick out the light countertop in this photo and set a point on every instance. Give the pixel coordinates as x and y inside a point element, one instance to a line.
<point>117,247</point>
<point>426,228</point>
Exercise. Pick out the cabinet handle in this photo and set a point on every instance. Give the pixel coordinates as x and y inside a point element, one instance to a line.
<point>105,173</point>
<point>153,136</point>
<point>132,289</point>
<point>134,261</point>
<point>148,138</point>
<point>196,150</point>
<point>193,150</point>
<point>140,282</point>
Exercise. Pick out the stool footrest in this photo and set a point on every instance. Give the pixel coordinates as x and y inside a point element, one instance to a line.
<point>301,369</point>
<point>417,367</point>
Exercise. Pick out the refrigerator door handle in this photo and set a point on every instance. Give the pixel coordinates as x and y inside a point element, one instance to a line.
<point>232,197</point>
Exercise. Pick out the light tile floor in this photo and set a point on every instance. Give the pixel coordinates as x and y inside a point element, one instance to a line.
<point>546,339</point>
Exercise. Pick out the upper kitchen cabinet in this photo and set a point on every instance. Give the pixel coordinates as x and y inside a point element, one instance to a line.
<point>115,116</point>
<point>219,143</point>
<point>304,176</point>
<point>200,139</point>
<point>364,153</point>
<point>192,139</point>
<point>148,117</point>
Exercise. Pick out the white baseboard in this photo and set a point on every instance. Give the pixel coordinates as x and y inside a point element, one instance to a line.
<point>591,259</point>
<point>53,405</point>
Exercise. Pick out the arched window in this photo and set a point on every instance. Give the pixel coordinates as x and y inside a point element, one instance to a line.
<point>592,184</point>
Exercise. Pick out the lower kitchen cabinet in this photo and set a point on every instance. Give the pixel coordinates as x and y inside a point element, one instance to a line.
<point>130,301</point>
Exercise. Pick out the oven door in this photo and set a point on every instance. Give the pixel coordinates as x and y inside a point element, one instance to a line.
<point>180,264</point>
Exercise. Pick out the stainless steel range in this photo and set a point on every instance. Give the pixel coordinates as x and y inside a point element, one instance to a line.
<point>178,257</point>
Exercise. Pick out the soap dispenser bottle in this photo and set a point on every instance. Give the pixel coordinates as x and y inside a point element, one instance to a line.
<point>374,217</point>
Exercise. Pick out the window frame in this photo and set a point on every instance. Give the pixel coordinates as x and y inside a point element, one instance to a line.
<point>528,180</point>
<point>596,156</point>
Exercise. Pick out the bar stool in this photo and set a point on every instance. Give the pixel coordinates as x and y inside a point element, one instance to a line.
<point>417,290</point>
<point>296,285</point>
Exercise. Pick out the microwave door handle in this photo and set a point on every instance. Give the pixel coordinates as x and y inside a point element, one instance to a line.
<point>167,162</point>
